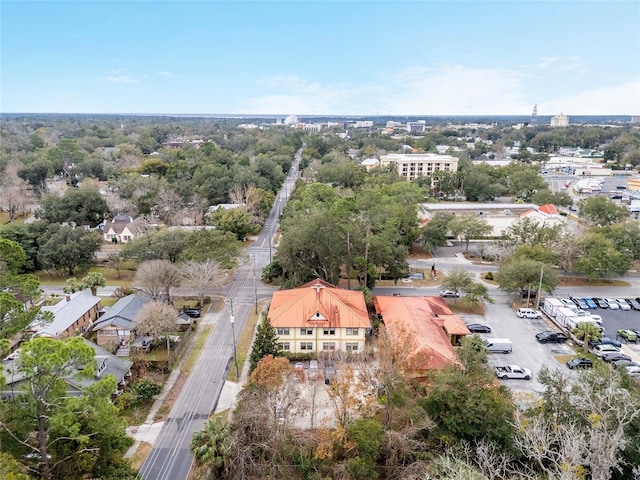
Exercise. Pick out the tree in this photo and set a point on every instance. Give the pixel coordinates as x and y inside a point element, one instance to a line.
<point>158,279</point>
<point>602,258</point>
<point>14,191</point>
<point>470,227</point>
<point>601,211</point>
<point>161,244</point>
<point>272,377</point>
<point>350,396</point>
<point>12,257</point>
<point>72,285</point>
<point>210,446</point>
<point>369,436</point>
<point>586,331</point>
<point>265,343</point>
<point>155,319</point>
<point>235,220</point>
<point>79,206</point>
<point>200,276</point>
<point>214,245</point>
<point>434,233</point>
<point>457,281</point>
<point>93,280</point>
<point>45,363</point>
<point>68,249</point>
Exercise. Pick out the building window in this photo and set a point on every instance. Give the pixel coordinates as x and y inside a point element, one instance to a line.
<point>352,347</point>
<point>306,346</point>
<point>352,331</point>
<point>306,331</point>
<point>282,331</point>
<point>284,346</point>
<point>328,346</point>
<point>329,331</point>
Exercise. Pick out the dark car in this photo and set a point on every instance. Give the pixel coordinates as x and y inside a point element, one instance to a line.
<point>623,363</point>
<point>580,303</point>
<point>604,340</point>
<point>580,363</point>
<point>615,196</point>
<point>600,302</point>
<point>551,337</point>
<point>634,304</point>
<point>478,328</point>
<point>397,294</point>
<point>614,357</point>
<point>192,312</point>
<point>529,294</point>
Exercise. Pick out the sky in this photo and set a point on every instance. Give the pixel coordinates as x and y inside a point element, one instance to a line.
<point>321,57</point>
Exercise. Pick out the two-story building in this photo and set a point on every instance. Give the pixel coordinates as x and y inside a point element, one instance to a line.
<point>115,326</point>
<point>72,315</point>
<point>319,317</point>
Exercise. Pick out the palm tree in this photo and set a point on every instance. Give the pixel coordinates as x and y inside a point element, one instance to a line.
<point>586,331</point>
<point>210,446</point>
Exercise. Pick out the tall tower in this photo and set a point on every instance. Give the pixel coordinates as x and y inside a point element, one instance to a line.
<point>534,115</point>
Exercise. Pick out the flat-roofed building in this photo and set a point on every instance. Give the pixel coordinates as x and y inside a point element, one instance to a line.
<point>414,165</point>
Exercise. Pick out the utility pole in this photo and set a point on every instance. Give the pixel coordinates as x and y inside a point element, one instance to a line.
<point>539,286</point>
<point>233,332</point>
<point>269,231</point>
<point>255,286</point>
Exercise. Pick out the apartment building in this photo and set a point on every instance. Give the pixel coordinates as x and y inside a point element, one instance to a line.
<point>414,165</point>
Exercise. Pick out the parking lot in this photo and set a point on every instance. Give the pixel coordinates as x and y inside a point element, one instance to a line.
<point>528,352</point>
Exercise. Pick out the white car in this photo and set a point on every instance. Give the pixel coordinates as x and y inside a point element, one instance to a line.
<point>613,303</point>
<point>597,318</point>
<point>600,350</point>
<point>622,304</point>
<point>632,369</point>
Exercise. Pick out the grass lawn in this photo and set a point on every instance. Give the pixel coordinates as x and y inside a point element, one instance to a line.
<point>49,279</point>
<point>244,343</point>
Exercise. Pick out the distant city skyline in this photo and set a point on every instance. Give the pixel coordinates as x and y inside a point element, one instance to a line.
<point>315,58</point>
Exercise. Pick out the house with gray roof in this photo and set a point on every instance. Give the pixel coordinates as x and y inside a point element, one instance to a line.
<point>73,315</point>
<point>106,364</point>
<point>115,326</point>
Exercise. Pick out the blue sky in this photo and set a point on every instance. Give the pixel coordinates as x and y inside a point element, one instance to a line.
<point>321,58</point>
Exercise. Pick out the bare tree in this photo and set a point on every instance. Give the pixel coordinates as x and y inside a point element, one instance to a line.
<point>169,206</point>
<point>349,395</point>
<point>14,191</point>
<point>155,319</point>
<point>158,279</point>
<point>201,276</point>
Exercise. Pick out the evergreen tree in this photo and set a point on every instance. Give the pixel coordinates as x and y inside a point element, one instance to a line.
<point>265,343</point>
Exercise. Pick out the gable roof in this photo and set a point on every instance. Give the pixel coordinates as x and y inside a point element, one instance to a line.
<point>421,327</point>
<point>122,313</point>
<point>548,209</point>
<point>66,312</point>
<point>318,303</point>
<point>106,363</point>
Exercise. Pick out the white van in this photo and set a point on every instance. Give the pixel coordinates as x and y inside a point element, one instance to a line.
<point>498,345</point>
<point>528,313</point>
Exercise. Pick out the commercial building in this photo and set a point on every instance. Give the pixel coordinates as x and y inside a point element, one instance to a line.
<point>414,165</point>
<point>561,120</point>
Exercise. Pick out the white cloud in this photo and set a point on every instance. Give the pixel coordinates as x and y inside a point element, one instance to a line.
<point>621,99</point>
<point>445,90</point>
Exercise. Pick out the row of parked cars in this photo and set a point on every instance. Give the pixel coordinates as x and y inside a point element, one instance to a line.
<point>592,303</point>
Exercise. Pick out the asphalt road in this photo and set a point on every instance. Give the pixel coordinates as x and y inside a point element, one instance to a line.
<point>170,457</point>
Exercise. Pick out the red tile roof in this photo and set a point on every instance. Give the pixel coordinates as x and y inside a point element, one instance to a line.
<point>548,209</point>
<point>318,303</point>
<point>418,325</point>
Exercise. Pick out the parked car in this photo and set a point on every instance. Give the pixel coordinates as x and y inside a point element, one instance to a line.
<point>604,341</point>
<point>623,363</point>
<point>613,305</point>
<point>478,328</point>
<point>600,302</point>
<point>449,294</point>
<point>597,318</point>
<point>397,294</point>
<point>531,294</point>
<point>580,303</point>
<point>590,303</point>
<point>632,369</point>
<point>602,349</point>
<point>528,313</point>
<point>634,304</point>
<point>329,374</point>
<point>549,336</point>
<point>192,312</point>
<point>623,304</point>
<point>568,302</point>
<point>614,357</point>
<point>628,335</point>
<point>579,363</point>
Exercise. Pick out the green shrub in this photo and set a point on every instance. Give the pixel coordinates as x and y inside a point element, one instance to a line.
<point>146,389</point>
<point>488,276</point>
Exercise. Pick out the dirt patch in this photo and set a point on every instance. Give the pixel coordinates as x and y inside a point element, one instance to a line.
<point>170,399</point>
<point>141,454</point>
<point>585,282</point>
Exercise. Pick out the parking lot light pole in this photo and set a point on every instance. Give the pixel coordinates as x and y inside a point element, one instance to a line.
<point>233,332</point>
<point>538,293</point>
